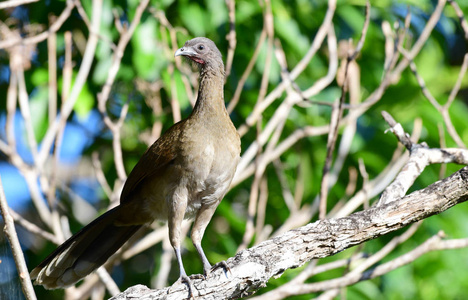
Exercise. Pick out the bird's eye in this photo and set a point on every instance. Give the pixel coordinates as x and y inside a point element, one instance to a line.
<point>201,47</point>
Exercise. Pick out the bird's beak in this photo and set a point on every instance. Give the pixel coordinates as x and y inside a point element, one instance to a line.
<point>185,51</point>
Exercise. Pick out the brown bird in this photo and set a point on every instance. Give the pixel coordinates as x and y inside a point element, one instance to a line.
<point>184,174</point>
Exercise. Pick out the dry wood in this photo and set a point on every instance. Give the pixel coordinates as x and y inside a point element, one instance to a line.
<point>252,268</point>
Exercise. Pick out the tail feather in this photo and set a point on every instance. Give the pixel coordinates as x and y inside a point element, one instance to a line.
<point>83,252</point>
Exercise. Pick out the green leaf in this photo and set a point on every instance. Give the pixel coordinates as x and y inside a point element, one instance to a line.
<point>40,77</point>
<point>194,19</point>
<point>85,102</point>
<point>38,105</point>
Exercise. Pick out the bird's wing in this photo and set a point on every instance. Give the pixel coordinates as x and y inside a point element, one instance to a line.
<point>154,161</point>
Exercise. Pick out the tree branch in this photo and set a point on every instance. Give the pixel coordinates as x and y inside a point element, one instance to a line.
<point>10,233</point>
<point>252,268</point>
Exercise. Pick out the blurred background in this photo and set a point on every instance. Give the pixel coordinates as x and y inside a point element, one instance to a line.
<point>79,177</point>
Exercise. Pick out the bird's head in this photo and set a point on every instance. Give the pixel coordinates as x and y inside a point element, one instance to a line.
<point>203,52</point>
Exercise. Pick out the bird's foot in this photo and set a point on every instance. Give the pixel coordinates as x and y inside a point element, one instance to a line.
<point>221,264</point>
<point>184,279</point>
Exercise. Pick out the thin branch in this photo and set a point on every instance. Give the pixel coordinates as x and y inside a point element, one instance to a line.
<point>116,144</point>
<point>44,35</point>
<point>298,69</point>
<point>443,144</point>
<point>231,36</point>
<point>12,96</point>
<point>14,3</point>
<point>434,243</point>
<point>297,286</point>
<point>460,16</point>
<point>85,19</point>
<point>245,167</point>
<point>67,67</point>
<point>118,54</point>
<point>392,73</point>
<point>52,64</point>
<point>458,83</point>
<point>33,228</point>
<point>25,110</point>
<point>77,87</point>
<point>235,99</point>
<point>360,43</point>
<point>101,177</point>
<point>108,282</point>
<point>378,184</point>
<point>165,264</point>
<point>420,157</point>
<point>422,84</point>
<point>104,94</point>
<point>337,114</point>
<point>10,233</point>
<point>365,182</point>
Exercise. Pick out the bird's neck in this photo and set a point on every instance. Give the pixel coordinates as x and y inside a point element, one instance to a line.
<point>210,100</point>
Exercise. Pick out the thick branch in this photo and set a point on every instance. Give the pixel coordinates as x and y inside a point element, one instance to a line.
<point>252,268</point>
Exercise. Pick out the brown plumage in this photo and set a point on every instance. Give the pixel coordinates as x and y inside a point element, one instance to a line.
<point>184,174</point>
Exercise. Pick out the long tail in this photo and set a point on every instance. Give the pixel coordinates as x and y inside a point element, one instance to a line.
<point>84,252</point>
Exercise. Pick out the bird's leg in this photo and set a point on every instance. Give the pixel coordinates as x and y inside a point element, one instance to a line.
<point>176,216</point>
<point>206,263</point>
<point>183,276</point>
<point>201,221</point>
<point>207,267</point>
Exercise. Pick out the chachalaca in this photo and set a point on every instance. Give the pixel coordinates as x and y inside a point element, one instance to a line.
<point>184,174</point>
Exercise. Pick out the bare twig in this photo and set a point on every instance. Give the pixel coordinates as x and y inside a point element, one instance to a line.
<point>231,36</point>
<point>365,183</point>
<point>460,16</point>
<point>104,94</point>
<point>337,113</point>
<point>434,243</point>
<point>165,264</point>
<point>42,36</point>
<point>52,60</point>
<point>457,85</point>
<point>420,157</point>
<point>101,177</point>
<point>25,111</point>
<point>297,286</point>
<point>33,228</point>
<point>79,83</point>
<point>375,186</point>
<point>235,99</point>
<point>298,69</point>
<point>85,19</point>
<point>363,33</point>
<point>118,54</point>
<point>109,283</point>
<point>67,67</point>
<point>443,167</point>
<point>246,167</point>
<point>392,73</point>
<point>253,200</point>
<point>14,3</point>
<point>10,233</point>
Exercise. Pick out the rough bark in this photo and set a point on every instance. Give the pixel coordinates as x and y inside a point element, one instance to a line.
<point>252,268</point>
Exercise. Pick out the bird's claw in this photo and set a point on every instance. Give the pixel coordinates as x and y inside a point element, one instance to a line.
<point>184,279</point>
<point>221,264</point>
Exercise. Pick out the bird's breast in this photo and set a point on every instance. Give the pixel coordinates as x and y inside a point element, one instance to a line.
<point>212,167</point>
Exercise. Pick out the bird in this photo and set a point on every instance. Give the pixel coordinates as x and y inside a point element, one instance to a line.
<point>183,175</point>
